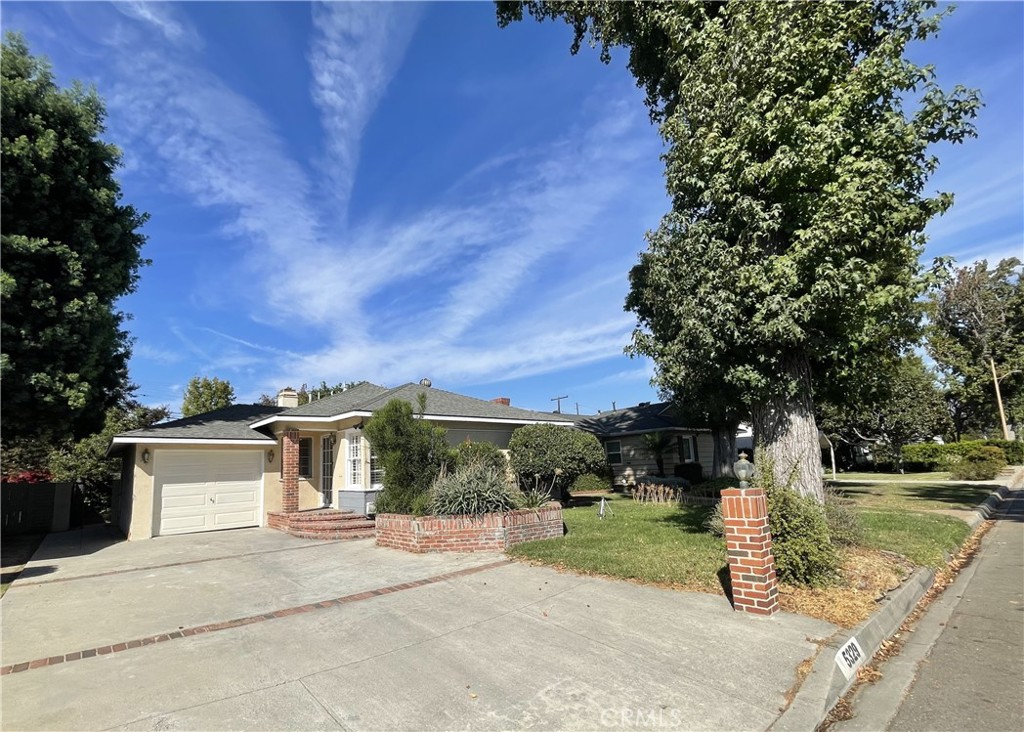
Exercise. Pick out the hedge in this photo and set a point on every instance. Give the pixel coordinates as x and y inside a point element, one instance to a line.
<point>925,457</point>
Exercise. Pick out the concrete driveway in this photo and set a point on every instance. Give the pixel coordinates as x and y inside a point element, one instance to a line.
<point>253,629</point>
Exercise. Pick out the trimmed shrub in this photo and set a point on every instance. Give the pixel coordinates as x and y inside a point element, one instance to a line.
<point>411,451</point>
<point>557,454</point>
<point>590,483</point>
<point>713,487</point>
<point>422,505</point>
<point>923,457</point>
<point>480,453</point>
<point>1013,450</point>
<point>689,471</point>
<point>473,490</point>
<point>979,463</point>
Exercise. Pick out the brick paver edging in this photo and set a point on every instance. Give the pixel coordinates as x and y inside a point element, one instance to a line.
<point>15,668</point>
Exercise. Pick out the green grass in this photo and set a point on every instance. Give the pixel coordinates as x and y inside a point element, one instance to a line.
<point>923,538</point>
<point>893,477</point>
<point>648,542</point>
<point>919,496</point>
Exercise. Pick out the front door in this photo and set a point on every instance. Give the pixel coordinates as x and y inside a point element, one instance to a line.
<point>327,470</point>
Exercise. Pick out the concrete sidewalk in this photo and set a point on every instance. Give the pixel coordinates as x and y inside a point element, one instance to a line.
<point>963,666</point>
<point>484,646</point>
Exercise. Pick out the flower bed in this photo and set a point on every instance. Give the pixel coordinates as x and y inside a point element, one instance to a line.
<point>491,532</point>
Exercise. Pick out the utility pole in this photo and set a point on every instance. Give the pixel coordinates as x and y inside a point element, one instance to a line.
<point>558,409</point>
<point>999,399</point>
<point>577,408</point>
<point>613,406</point>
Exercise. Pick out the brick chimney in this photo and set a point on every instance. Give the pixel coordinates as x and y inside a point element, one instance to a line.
<point>502,400</point>
<point>287,397</point>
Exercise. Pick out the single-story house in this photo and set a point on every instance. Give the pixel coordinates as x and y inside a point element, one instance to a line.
<point>622,433</point>
<point>232,467</point>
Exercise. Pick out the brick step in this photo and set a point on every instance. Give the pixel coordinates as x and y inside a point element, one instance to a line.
<point>360,522</point>
<point>333,535</point>
<point>324,515</point>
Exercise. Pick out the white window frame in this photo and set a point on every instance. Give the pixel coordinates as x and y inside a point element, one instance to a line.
<point>688,441</point>
<point>608,452</point>
<point>354,460</point>
<point>327,469</point>
<point>376,471</point>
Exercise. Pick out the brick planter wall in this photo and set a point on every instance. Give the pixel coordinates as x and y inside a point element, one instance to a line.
<point>492,532</point>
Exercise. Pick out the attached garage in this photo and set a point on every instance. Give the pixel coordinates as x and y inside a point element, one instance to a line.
<point>206,490</point>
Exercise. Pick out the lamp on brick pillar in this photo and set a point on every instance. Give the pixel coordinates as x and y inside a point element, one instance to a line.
<point>290,470</point>
<point>749,543</point>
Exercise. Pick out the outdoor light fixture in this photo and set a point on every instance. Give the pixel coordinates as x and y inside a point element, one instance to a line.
<point>743,469</point>
<point>270,456</point>
<point>145,455</point>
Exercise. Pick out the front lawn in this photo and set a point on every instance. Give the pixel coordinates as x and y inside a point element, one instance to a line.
<point>915,496</point>
<point>924,538</point>
<point>660,543</point>
<point>892,477</point>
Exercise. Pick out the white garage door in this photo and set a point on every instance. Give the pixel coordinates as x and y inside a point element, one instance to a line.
<point>206,490</point>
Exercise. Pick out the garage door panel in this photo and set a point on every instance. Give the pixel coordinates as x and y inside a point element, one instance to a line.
<point>208,490</point>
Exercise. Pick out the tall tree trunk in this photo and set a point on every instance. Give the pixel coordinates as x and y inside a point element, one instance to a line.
<point>786,433</point>
<point>724,440</point>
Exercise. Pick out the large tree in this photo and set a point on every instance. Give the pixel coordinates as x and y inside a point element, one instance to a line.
<point>68,250</point>
<point>204,394</point>
<point>976,336</point>
<point>798,139</point>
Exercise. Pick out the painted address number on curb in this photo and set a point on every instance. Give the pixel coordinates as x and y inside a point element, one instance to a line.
<point>850,657</point>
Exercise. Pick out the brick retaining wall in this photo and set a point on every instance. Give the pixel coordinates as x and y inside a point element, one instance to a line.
<point>492,532</point>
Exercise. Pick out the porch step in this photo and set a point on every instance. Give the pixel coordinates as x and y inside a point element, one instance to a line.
<point>322,515</point>
<point>323,524</point>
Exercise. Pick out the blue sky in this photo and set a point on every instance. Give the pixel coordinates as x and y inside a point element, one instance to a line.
<point>351,191</point>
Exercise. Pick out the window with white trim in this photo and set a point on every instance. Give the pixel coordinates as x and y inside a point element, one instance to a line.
<point>684,446</point>
<point>355,460</point>
<point>376,470</point>
<point>613,451</point>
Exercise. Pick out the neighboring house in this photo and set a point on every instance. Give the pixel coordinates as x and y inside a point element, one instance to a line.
<point>231,467</point>
<point>622,434</point>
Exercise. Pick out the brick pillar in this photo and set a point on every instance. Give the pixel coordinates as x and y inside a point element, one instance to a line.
<point>749,541</point>
<point>290,471</point>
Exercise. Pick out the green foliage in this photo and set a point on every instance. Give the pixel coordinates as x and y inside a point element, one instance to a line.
<point>69,250</point>
<point>977,324</point>
<point>557,454</point>
<point>713,486</point>
<point>715,522</point>
<point>844,526</point>
<point>534,498</point>
<point>480,453</point>
<point>411,451</point>
<point>928,456</point>
<point>590,483</point>
<point>692,472</point>
<point>204,394</point>
<point>799,141</point>
<point>472,490</point>
<point>1013,450</point>
<point>657,444</point>
<point>978,463</point>
<point>422,505</point>
<point>801,543</point>
<point>896,402</point>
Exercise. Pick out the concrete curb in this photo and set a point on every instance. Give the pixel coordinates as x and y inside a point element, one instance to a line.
<point>826,684</point>
<point>988,507</point>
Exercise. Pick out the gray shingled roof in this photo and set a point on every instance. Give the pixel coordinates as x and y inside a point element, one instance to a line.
<point>645,417</point>
<point>350,400</point>
<point>229,423</point>
<point>443,403</point>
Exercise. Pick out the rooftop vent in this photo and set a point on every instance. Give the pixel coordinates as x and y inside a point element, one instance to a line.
<point>644,404</point>
<point>425,382</point>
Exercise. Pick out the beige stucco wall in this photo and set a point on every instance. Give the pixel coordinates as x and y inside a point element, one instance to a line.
<point>143,520</point>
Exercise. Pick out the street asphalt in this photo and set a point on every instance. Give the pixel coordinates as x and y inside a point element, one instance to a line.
<point>256,630</point>
<point>963,666</point>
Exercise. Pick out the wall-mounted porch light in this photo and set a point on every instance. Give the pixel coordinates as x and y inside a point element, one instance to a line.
<point>145,455</point>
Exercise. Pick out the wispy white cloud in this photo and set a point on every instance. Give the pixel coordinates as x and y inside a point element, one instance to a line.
<point>356,50</point>
<point>164,17</point>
